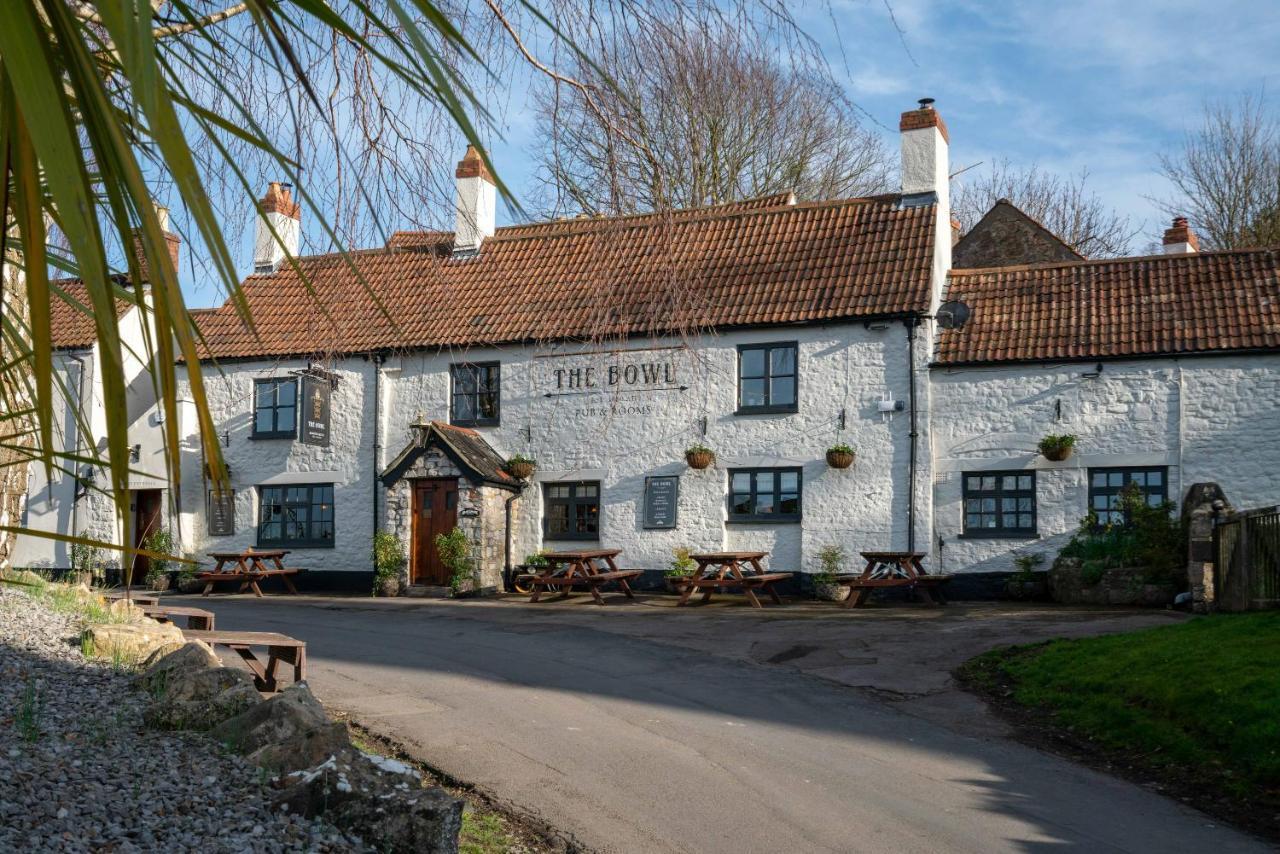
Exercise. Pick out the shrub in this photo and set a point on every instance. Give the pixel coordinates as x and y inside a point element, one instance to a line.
<point>455,553</point>
<point>831,559</point>
<point>536,560</point>
<point>681,566</point>
<point>1052,445</point>
<point>86,558</point>
<point>698,448</point>
<point>190,566</point>
<point>841,448</point>
<point>160,542</point>
<point>388,558</point>
<point>521,459</point>
<point>1027,564</point>
<point>1151,538</point>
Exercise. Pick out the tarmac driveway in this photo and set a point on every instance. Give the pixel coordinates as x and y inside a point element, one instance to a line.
<point>638,728</point>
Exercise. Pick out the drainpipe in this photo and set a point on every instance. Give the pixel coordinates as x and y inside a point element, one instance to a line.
<point>378,359</point>
<point>75,486</point>
<point>914,434</point>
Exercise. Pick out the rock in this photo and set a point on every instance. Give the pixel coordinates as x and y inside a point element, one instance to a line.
<point>131,642</point>
<point>164,661</point>
<point>289,732</point>
<point>201,698</point>
<point>25,577</point>
<point>387,809</point>
<point>126,611</point>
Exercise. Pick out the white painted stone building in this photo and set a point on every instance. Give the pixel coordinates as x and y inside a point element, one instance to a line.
<point>767,331</point>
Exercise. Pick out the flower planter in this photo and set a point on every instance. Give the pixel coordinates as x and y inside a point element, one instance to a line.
<point>389,587</point>
<point>1057,455</point>
<point>829,592</point>
<point>191,585</point>
<point>840,459</point>
<point>159,583</point>
<point>521,470</point>
<point>675,583</point>
<point>700,459</point>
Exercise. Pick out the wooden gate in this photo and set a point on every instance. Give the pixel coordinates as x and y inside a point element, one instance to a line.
<point>1246,570</point>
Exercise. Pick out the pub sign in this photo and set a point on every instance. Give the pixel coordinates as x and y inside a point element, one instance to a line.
<point>315,410</point>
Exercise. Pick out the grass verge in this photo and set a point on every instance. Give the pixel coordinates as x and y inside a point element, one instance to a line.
<point>1192,705</point>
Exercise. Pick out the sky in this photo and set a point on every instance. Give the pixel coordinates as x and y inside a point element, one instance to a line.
<point>1088,84</point>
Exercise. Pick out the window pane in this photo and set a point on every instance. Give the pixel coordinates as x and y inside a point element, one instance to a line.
<point>975,483</point>
<point>753,392</point>
<point>464,407</point>
<point>1010,482</point>
<point>285,418</point>
<point>752,363</point>
<point>973,520</point>
<point>782,360</point>
<point>1024,482</point>
<point>972,505</point>
<point>988,505</point>
<point>742,503</point>
<point>1024,504</point>
<point>558,492</point>
<point>588,489</point>
<point>1155,478</point>
<point>988,483</point>
<point>764,482</point>
<point>1024,520</point>
<point>265,421</point>
<point>464,380</point>
<point>488,405</point>
<point>1008,505</point>
<point>741,481</point>
<point>1099,478</point>
<point>287,392</point>
<point>557,519</point>
<point>1154,500</point>
<point>1115,478</point>
<point>764,502</point>
<point>783,391</point>
<point>1139,477</point>
<point>789,502</point>
<point>488,379</point>
<point>989,521</point>
<point>789,481</point>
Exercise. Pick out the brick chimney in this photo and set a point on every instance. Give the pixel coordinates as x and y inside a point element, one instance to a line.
<point>477,204</point>
<point>1179,239</point>
<point>173,241</point>
<point>279,230</point>
<point>926,180</point>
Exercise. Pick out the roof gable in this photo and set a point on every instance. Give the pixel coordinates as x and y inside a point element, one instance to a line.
<point>1007,235</point>
<point>465,448</point>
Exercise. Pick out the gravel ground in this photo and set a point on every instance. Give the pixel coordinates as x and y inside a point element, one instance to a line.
<point>78,772</point>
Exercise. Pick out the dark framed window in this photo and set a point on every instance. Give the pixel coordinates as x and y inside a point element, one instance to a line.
<point>1106,484</point>
<point>477,394</point>
<point>275,408</point>
<point>767,378</point>
<point>571,511</point>
<point>765,495</point>
<point>1000,504</point>
<point>299,516</point>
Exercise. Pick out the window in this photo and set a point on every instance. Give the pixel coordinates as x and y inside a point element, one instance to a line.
<point>275,408</point>
<point>1000,504</point>
<point>571,511</point>
<point>764,495</point>
<point>1105,486</point>
<point>476,394</point>
<point>767,378</point>
<point>296,515</point>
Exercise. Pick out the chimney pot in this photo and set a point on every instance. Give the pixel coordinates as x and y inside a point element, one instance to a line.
<point>279,228</point>
<point>1179,239</point>
<point>476,203</point>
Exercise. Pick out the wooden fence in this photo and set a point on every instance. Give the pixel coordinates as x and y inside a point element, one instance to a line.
<point>1246,572</point>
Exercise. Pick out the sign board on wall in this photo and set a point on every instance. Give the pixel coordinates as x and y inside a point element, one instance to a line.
<point>222,513</point>
<point>661,498</point>
<point>315,411</point>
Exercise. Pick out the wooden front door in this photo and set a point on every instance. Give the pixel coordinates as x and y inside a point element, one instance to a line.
<point>435,511</point>
<point>146,521</point>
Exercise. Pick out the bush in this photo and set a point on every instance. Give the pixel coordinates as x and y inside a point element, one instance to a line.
<point>682,566</point>
<point>832,560</point>
<point>160,542</point>
<point>455,553</point>
<point>1152,539</point>
<point>1053,445</point>
<point>86,558</point>
<point>388,558</point>
<point>1027,564</point>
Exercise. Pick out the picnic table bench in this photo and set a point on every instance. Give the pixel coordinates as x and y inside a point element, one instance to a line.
<point>248,568</point>
<point>280,648</point>
<point>718,570</point>
<point>135,598</point>
<point>892,569</point>
<point>197,618</point>
<point>568,569</point>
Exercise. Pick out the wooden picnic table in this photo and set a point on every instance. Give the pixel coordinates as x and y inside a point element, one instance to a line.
<point>280,648</point>
<point>732,569</point>
<point>248,567</point>
<point>134,597</point>
<point>588,567</point>
<point>892,569</point>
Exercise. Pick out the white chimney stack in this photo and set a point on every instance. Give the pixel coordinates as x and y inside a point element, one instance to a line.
<point>1180,239</point>
<point>279,228</point>
<point>926,180</point>
<point>477,204</point>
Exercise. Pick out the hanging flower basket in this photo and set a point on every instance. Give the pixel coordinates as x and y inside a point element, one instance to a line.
<point>521,467</point>
<point>841,456</point>
<point>699,457</point>
<point>1057,448</point>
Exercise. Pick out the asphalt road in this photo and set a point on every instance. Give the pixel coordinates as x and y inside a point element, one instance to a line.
<point>634,746</point>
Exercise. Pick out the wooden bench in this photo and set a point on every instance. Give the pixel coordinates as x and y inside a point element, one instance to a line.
<point>197,618</point>
<point>134,597</point>
<point>860,588</point>
<point>749,582</point>
<point>247,580</point>
<point>591,582</point>
<point>280,648</point>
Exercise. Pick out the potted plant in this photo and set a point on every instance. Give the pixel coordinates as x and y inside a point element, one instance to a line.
<point>86,564</point>
<point>841,456</point>
<point>521,579</point>
<point>699,456</point>
<point>1057,448</point>
<point>831,559</point>
<point>521,467</point>
<point>187,581</point>
<point>160,542</point>
<point>1023,584</point>
<point>455,553</point>
<point>388,563</point>
<point>680,570</point>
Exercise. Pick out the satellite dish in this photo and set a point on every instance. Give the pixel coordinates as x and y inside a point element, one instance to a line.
<point>952,314</point>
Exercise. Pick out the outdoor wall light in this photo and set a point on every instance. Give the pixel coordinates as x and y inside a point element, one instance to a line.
<point>1094,374</point>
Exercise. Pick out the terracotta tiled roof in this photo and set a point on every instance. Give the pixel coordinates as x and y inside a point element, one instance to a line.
<point>71,319</point>
<point>1165,304</point>
<point>740,265</point>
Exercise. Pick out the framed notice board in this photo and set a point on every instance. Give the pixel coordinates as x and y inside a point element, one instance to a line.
<point>661,499</point>
<point>222,513</point>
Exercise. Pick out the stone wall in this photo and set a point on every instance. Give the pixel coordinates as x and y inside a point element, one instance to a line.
<point>1006,236</point>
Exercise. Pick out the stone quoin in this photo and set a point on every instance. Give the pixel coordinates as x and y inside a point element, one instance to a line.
<point>767,330</point>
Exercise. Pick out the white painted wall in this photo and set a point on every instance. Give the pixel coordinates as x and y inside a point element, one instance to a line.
<point>1208,418</point>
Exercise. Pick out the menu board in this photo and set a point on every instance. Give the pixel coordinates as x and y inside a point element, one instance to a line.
<point>222,513</point>
<point>661,497</point>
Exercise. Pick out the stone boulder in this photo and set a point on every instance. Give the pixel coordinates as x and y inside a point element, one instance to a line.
<point>381,800</point>
<point>165,661</point>
<point>201,698</point>
<point>129,643</point>
<point>288,732</point>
